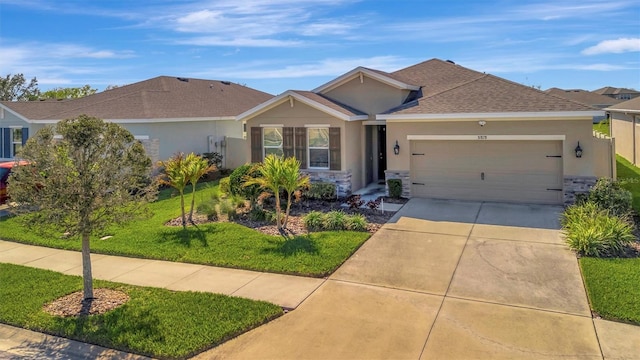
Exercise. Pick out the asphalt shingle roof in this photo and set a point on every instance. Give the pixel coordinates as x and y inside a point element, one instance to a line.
<point>583,96</point>
<point>162,97</point>
<point>633,104</point>
<point>345,109</point>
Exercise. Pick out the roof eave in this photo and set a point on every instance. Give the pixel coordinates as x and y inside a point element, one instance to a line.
<point>497,115</point>
<point>340,80</point>
<point>147,121</point>
<point>632,111</point>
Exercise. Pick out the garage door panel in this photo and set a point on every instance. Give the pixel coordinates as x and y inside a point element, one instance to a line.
<point>520,171</point>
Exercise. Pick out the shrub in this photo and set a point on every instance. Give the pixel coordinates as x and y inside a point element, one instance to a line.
<point>593,231</point>
<point>272,216</point>
<point>355,202</point>
<point>228,208</point>
<point>209,210</point>
<point>335,220</point>
<point>321,191</point>
<point>225,185</point>
<point>314,221</point>
<point>373,204</point>
<point>609,195</point>
<point>237,180</point>
<point>395,188</point>
<point>213,158</point>
<point>257,214</point>
<point>356,222</point>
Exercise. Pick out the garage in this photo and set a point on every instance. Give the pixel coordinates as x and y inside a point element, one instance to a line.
<point>488,170</point>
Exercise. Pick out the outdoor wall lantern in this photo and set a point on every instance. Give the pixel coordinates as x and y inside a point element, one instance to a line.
<point>396,148</point>
<point>578,150</point>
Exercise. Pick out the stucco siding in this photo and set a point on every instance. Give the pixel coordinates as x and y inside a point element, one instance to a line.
<point>574,130</point>
<point>369,96</point>
<point>622,130</point>
<point>354,153</point>
<point>189,136</point>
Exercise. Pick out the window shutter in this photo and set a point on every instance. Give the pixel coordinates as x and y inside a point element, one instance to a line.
<point>287,142</point>
<point>25,135</point>
<point>301,146</point>
<point>5,151</point>
<point>256,144</point>
<point>334,148</point>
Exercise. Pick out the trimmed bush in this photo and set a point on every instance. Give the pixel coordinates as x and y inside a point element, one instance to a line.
<point>314,221</point>
<point>237,180</point>
<point>357,222</point>
<point>592,231</point>
<point>225,185</point>
<point>321,191</point>
<point>609,195</point>
<point>335,220</point>
<point>395,188</point>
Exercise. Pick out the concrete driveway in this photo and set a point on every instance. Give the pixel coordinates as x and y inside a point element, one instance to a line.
<point>446,280</point>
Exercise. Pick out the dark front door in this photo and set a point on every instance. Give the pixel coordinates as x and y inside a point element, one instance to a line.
<point>382,151</point>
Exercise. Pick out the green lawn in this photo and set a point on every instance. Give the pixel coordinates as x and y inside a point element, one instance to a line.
<point>220,244</point>
<point>613,284</point>
<point>154,322</point>
<point>613,287</point>
<point>602,127</point>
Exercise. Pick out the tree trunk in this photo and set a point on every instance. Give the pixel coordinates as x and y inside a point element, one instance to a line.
<point>184,218</point>
<point>286,214</point>
<point>278,225</point>
<point>193,203</point>
<point>87,277</point>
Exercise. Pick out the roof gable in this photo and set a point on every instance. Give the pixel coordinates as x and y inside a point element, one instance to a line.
<point>377,75</point>
<point>309,98</point>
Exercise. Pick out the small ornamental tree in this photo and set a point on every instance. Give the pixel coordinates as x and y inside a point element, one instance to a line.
<point>95,176</point>
<point>197,167</point>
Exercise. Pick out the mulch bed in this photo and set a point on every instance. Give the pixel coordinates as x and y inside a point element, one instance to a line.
<point>295,225</point>
<point>73,304</point>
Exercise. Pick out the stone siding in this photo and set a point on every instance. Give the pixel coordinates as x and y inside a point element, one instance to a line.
<point>342,179</point>
<point>574,185</point>
<point>404,176</point>
<point>152,148</point>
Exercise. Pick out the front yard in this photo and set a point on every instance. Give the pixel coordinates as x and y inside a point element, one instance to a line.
<point>154,322</point>
<point>613,283</point>
<point>224,244</point>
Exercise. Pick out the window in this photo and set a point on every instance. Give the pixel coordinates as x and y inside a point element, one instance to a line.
<point>16,141</point>
<point>272,141</point>
<point>318,140</point>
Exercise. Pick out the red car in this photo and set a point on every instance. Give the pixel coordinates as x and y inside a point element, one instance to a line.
<point>5,170</point>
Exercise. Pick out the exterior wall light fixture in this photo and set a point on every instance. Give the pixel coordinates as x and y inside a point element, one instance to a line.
<point>578,150</point>
<point>396,148</point>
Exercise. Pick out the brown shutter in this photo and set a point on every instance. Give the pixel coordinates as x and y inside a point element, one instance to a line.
<point>256,144</point>
<point>287,142</point>
<point>301,146</point>
<point>334,148</point>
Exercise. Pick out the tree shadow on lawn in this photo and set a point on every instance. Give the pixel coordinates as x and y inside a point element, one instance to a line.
<point>292,245</point>
<point>185,236</point>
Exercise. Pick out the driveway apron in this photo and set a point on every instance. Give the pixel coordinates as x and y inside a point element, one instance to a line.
<point>442,280</point>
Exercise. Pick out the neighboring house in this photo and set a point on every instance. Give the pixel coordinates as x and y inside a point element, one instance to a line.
<point>618,93</point>
<point>625,129</point>
<point>586,97</point>
<point>167,114</point>
<point>446,131</point>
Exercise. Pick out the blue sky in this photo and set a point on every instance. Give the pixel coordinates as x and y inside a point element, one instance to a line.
<point>275,45</point>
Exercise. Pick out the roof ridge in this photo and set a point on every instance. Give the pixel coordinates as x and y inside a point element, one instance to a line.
<point>457,86</point>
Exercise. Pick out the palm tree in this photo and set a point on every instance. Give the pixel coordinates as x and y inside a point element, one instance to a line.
<point>292,181</point>
<point>176,171</point>
<point>196,167</point>
<point>279,174</point>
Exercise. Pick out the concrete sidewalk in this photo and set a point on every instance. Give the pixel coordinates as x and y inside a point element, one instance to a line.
<point>284,290</point>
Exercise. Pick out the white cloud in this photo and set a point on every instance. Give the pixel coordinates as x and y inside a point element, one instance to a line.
<point>238,42</point>
<point>326,67</point>
<point>617,46</point>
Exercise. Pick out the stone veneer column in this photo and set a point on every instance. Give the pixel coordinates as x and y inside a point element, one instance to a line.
<point>404,176</point>
<point>574,185</point>
<point>152,148</point>
<point>342,179</point>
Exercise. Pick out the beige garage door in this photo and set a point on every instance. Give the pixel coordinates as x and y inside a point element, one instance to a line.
<point>513,171</point>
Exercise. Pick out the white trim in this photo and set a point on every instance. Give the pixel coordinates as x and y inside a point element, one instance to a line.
<point>340,80</point>
<point>271,125</point>
<point>141,137</point>
<point>149,121</point>
<point>483,137</point>
<point>15,127</point>
<point>374,122</point>
<point>317,125</point>
<point>543,115</point>
<point>622,110</point>
<point>286,96</point>
<point>327,148</point>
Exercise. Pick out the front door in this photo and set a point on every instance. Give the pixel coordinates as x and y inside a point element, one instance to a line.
<point>382,152</point>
